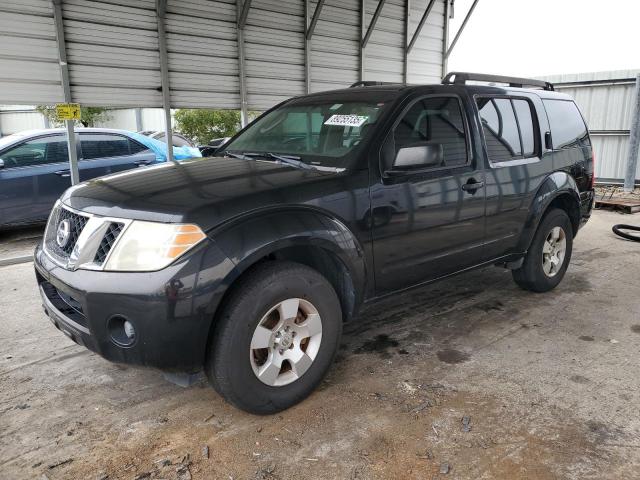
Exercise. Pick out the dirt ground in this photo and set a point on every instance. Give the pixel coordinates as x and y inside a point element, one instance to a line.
<point>470,378</point>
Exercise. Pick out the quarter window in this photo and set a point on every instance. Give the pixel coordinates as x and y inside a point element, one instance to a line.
<point>40,151</point>
<point>437,121</point>
<point>509,128</point>
<point>567,126</point>
<point>525,122</point>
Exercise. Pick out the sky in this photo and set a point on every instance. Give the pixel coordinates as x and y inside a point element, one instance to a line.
<point>544,37</point>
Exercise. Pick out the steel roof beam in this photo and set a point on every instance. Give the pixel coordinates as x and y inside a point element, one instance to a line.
<point>372,25</point>
<point>314,19</point>
<point>244,13</point>
<point>423,20</point>
<point>464,24</point>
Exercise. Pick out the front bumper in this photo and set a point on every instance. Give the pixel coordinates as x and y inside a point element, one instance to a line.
<point>171,309</point>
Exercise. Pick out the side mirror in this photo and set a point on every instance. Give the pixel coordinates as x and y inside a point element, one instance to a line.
<point>420,155</point>
<point>548,143</point>
<point>1,163</point>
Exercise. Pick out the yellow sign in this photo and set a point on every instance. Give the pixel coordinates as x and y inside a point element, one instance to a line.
<point>68,111</point>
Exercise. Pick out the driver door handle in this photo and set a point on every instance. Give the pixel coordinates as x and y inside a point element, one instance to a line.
<point>472,185</point>
<point>63,173</point>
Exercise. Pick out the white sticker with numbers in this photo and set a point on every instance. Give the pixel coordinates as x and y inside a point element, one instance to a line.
<point>346,120</point>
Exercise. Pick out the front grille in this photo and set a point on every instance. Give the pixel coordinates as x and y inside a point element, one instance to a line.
<point>107,242</point>
<point>76,224</point>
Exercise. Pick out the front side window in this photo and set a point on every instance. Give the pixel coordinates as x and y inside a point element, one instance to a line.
<point>568,129</point>
<point>509,128</point>
<point>320,133</point>
<point>40,151</point>
<point>436,122</point>
<point>104,145</point>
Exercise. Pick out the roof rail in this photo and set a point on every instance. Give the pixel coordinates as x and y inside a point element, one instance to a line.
<point>369,83</point>
<point>461,78</point>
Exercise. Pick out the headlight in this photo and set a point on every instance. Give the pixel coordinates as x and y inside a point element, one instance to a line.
<point>147,246</point>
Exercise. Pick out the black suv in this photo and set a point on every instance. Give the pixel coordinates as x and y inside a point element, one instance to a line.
<point>248,263</point>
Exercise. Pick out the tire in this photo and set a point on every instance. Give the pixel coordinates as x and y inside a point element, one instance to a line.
<point>534,275</point>
<point>262,299</point>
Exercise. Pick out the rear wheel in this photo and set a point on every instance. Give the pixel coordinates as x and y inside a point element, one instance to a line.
<point>548,257</point>
<point>276,338</point>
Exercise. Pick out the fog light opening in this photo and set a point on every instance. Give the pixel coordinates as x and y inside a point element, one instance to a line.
<point>121,331</point>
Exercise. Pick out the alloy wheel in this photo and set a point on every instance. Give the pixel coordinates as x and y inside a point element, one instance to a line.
<point>286,342</point>
<point>553,251</point>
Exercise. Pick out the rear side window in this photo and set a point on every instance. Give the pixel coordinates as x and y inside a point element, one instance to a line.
<point>568,129</point>
<point>104,146</point>
<point>135,147</point>
<point>509,128</point>
<point>438,121</point>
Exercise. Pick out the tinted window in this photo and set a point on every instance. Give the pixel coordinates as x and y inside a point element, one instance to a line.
<point>437,121</point>
<point>500,129</point>
<point>527,130</point>
<point>135,147</point>
<point>103,146</point>
<point>52,149</point>
<point>567,127</point>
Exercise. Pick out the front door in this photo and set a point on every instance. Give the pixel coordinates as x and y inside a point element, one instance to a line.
<point>35,174</point>
<point>428,221</point>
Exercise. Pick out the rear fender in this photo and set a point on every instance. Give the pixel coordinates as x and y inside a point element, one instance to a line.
<point>554,186</point>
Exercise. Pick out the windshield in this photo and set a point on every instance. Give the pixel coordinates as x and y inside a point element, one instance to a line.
<point>318,134</point>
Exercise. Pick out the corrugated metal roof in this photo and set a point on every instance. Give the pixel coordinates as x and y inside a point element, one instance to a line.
<point>113,60</point>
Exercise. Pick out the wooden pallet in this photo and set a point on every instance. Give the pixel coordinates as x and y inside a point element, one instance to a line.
<point>625,205</point>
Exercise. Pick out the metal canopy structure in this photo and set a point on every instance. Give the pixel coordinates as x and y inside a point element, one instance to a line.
<point>215,51</point>
<point>221,54</point>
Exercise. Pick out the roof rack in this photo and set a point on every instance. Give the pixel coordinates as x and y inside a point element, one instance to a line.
<point>461,78</point>
<point>369,83</point>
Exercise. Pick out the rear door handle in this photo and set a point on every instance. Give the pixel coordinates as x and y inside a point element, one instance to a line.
<point>63,173</point>
<point>140,163</point>
<point>472,185</point>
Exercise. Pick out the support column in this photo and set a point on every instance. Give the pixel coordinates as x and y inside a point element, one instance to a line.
<point>138,113</point>
<point>242,9</point>
<point>363,16</point>
<point>161,9</point>
<point>66,88</point>
<point>407,17</point>
<point>445,37</point>
<point>307,49</point>
<point>634,142</point>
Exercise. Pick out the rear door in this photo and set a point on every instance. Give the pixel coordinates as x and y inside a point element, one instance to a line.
<point>428,222</point>
<point>35,174</point>
<point>512,127</point>
<point>105,153</point>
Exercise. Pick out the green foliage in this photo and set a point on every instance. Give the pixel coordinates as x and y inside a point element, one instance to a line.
<point>204,125</point>
<point>89,116</point>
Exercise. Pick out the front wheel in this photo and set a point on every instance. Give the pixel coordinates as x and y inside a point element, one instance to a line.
<point>276,338</point>
<point>548,257</point>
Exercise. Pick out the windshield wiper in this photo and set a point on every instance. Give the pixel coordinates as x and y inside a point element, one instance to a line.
<point>286,159</point>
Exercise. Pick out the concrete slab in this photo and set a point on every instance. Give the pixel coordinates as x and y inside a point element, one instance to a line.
<point>471,376</point>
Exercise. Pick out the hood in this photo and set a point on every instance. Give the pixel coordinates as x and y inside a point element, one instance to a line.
<point>205,191</point>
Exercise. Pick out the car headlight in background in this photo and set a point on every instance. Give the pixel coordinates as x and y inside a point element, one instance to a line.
<point>148,246</point>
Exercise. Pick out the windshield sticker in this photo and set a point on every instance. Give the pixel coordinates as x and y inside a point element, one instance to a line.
<point>346,120</point>
<point>335,106</point>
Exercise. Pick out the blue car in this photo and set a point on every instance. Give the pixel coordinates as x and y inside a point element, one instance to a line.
<point>34,167</point>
